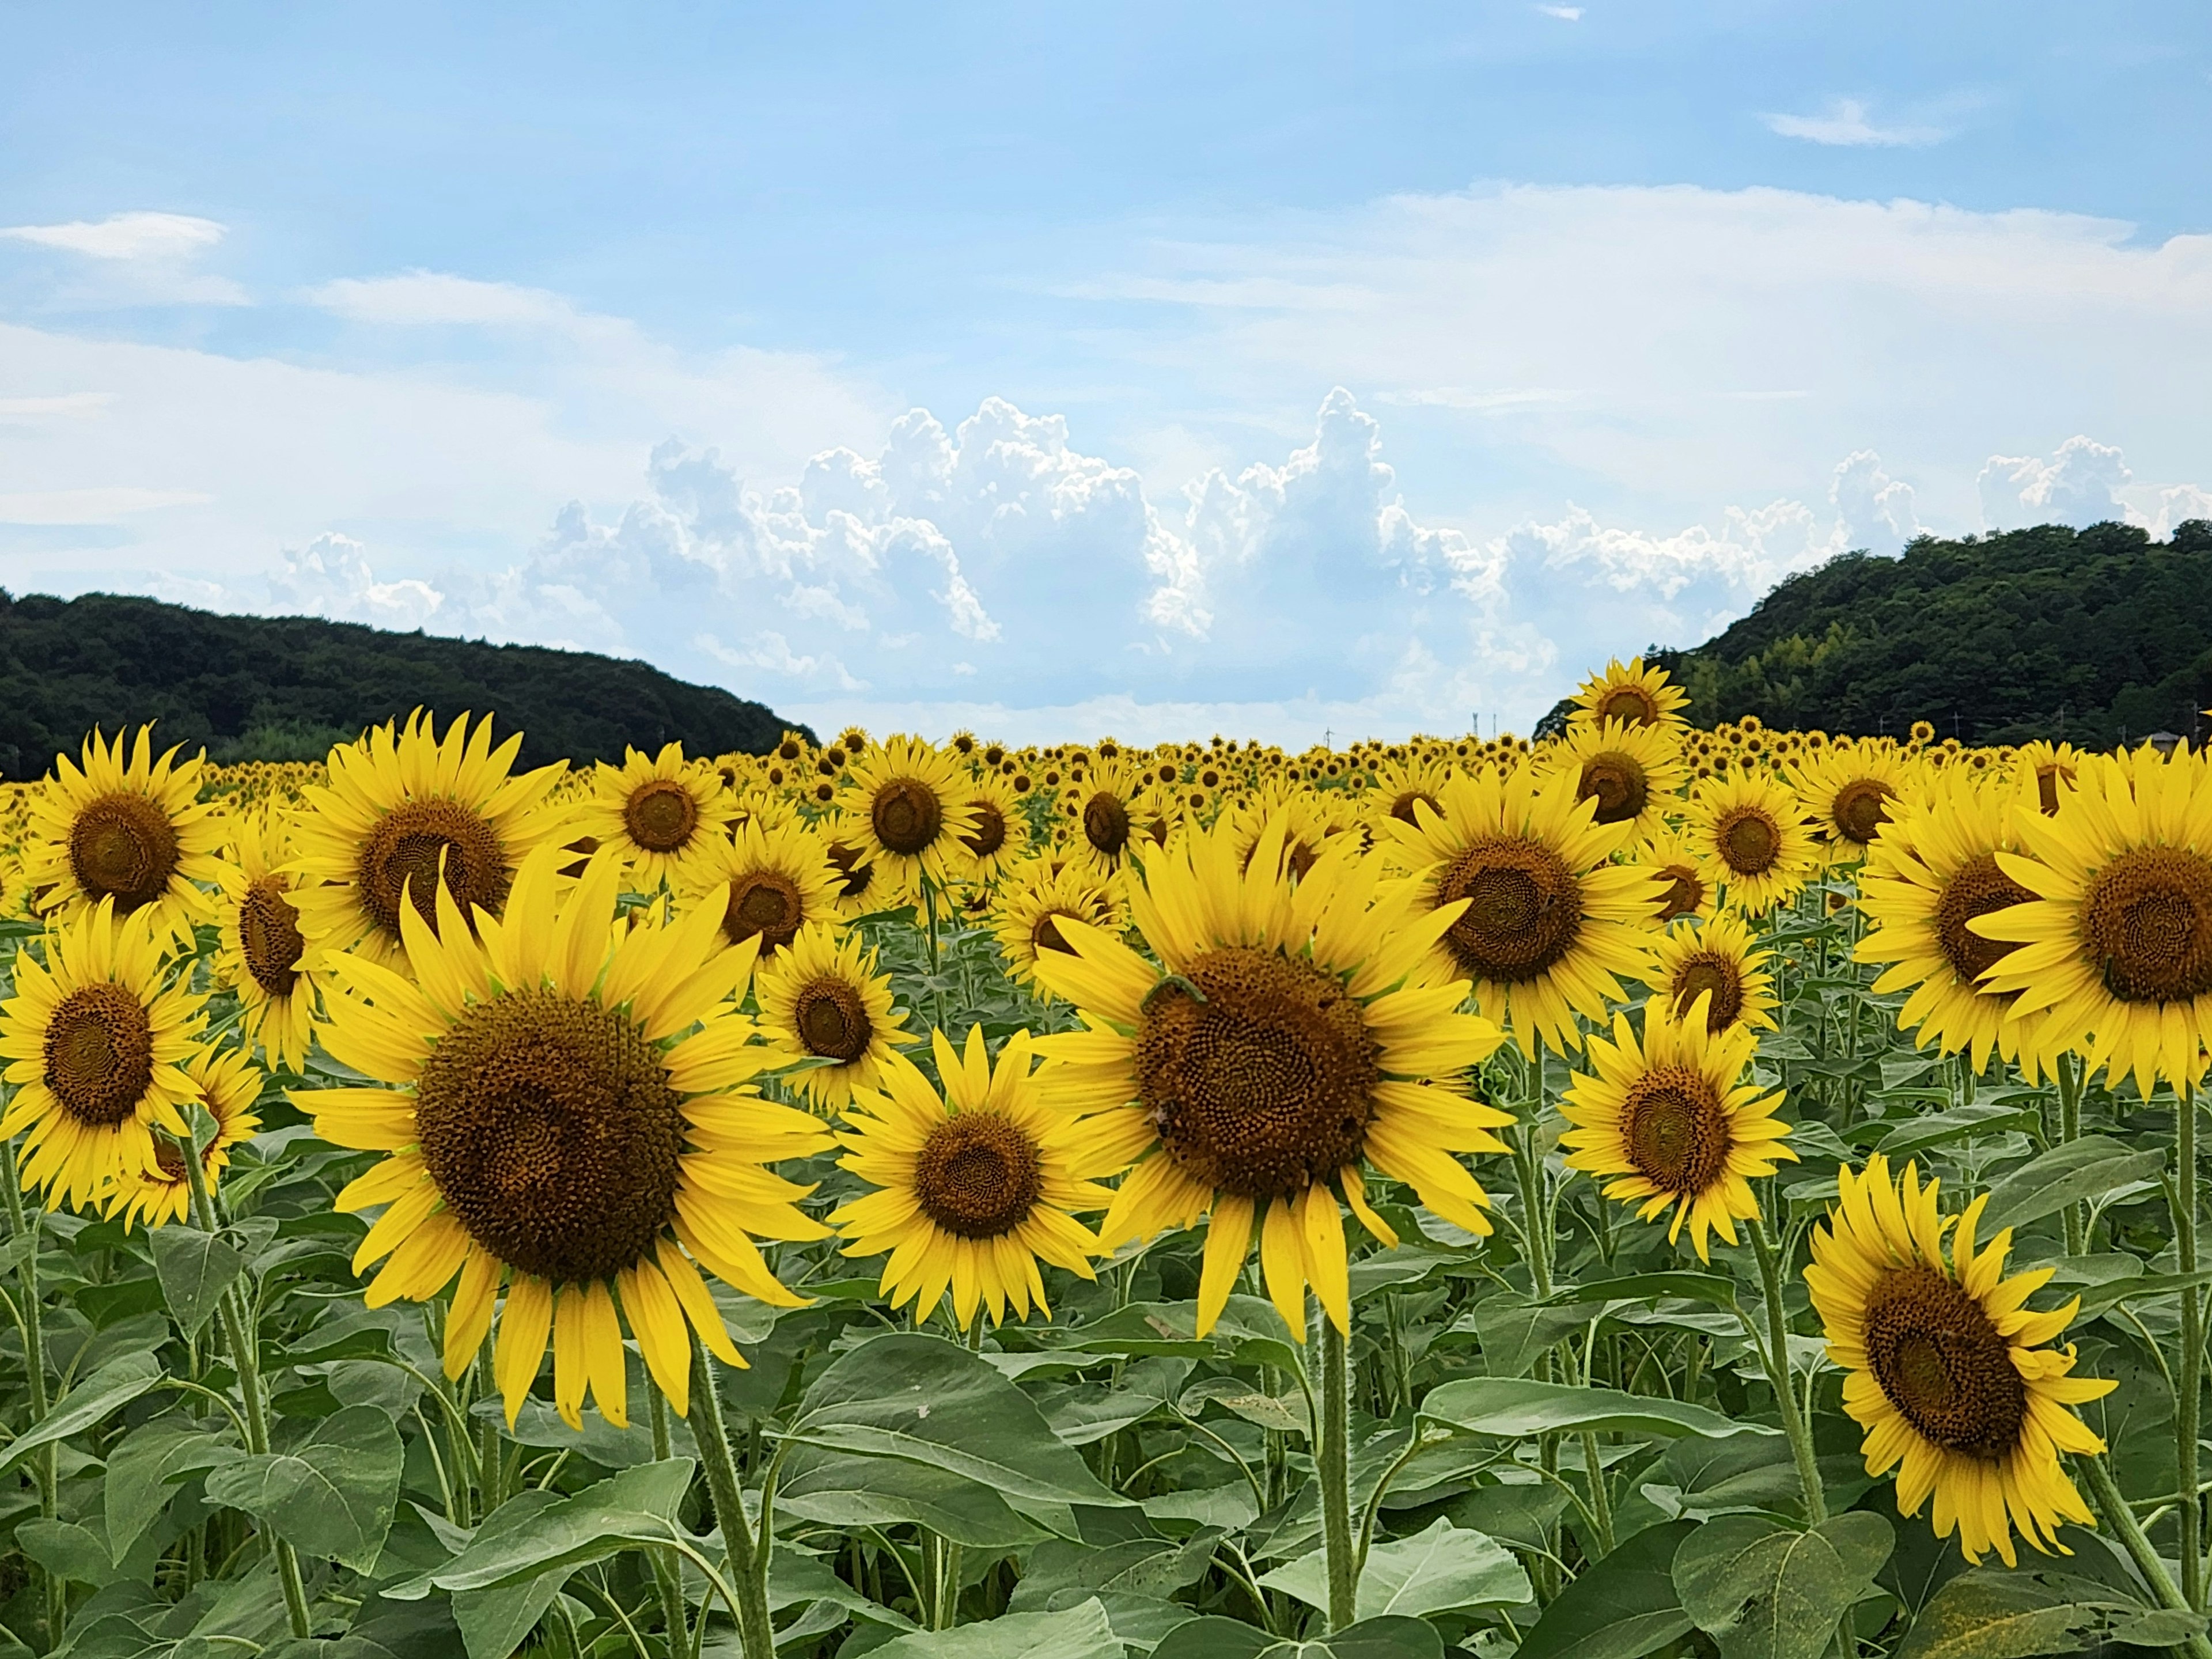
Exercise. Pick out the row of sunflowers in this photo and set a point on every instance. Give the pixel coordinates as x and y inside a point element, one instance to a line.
<point>1448,1195</point>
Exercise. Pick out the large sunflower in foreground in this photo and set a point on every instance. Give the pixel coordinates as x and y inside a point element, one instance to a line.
<point>1932,872</point>
<point>660,813</point>
<point>1630,691</point>
<point>228,1084</point>
<point>1944,1364</point>
<point>260,951</point>
<point>96,1038</point>
<point>905,802</point>
<point>1751,841</point>
<point>1669,1123</point>
<point>1634,773</point>
<point>126,828</point>
<point>975,1186</point>
<point>1720,960</point>
<point>1288,1033</point>
<point>406,813</point>
<point>768,880</point>
<point>822,1000</point>
<point>568,1106</point>
<point>1550,921</point>
<point>1850,790</point>
<point>2115,956</point>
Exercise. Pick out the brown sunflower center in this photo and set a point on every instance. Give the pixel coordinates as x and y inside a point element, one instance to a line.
<point>406,851</point>
<point>978,1176</point>
<point>123,846</point>
<point>1620,785</point>
<point>907,816</point>
<point>1861,808</point>
<point>1045,934</point>
<point>1106,822</point>
<point>1675,1129</point>
<point>1632,703</point>
<point>99,1053</point>
<point>2148,922</point>
<point>832,1020</point>
<point>763,902</point>
<point>660,815</point>
<point>1709,972</point>
<point>268,937</point>
<point>1524,909</point>
<point>1940,1362</point>
<point>169,1159</point>
<point>1686,891</point>
<point>2048,778</point>
<point>1977,888</point>
<point>553,1134</point>
<point>1749,841</point>
<point>1262,1082</point>
<point>989,833</point>
<point>855,870</point>
<point>1402,808</point>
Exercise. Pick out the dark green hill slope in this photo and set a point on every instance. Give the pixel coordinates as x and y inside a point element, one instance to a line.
<point>286,688</point>
<point>2096,635</point>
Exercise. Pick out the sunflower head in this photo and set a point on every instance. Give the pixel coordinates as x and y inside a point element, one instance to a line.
<point>261,953</point>
<point>1000,838</point>
<point>661,814</point>
<point>1719,962</point>
<point>125,828</point>
<point>1630,693</point>
<point>1032,903</point>
<point>823,1000</point>
<point>227,1086</point>
<point>768,880</point>
<point>1634,772</point>
<point>1752,839</point>
<point>1850,791</point>
<point>904,801</point>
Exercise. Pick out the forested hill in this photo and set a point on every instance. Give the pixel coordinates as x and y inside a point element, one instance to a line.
<point>2097,634</point>
<point>286,688</point>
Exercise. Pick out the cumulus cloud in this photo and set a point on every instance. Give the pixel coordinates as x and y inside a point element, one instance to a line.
<point>1873,510</point>
<point>330,577</point>
<point>2080,485</point>
<point>1844,122</point>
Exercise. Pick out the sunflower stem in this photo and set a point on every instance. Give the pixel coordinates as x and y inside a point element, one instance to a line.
<point>2112,1509</point>
<point>23,1227</point>
<point>2189,1384</point>
<point>1776,1352</point>
<point>2069,1128</point>
<point>1333,1458</point>
<point>667,1573</point>
<point>748,1558</point>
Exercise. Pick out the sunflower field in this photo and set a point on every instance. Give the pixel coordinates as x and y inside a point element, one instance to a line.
<point>1651,1192</point>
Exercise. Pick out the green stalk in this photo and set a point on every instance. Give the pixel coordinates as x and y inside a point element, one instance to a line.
<point>491,1454</point>
<point>1333,1457</point>
<point>243,1343</point>
<point>2112,1509</point>
<point>1774,1351</point>
<point>2189,1382</point>
<point>34,1362</point>
<point>667,1576</point>
<point>2069,1128</point>
<point>748,1558</point>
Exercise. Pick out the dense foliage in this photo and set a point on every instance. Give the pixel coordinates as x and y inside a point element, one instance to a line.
<point>285,689</point>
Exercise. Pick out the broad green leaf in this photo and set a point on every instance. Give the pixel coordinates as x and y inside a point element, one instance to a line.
<point>1762,1590</point>
<point>115,1385</point>
<point>1983,1615</point>
<point>1143,1566</point>
<point>195,1269</point>
<point>2068,1174</point>
<point>834,1489</point>
<point>1080,1632</point>
<point>1515,1331</point>
<point>926,1401</point>
<point>332,1493</point>
<point>1442,1569</point>
<point>636,1507</point>
<point>1917,1135</point>
<point>1215,1638</point>
<point>144,1469</point>
<point>1081,1412</point>
<point>68,1550</point>
<point>1715,1288</point>
<point>2103,1298</point>
<point>1620,1608</point>
<point>1515,1408</point>
<point>493,1622</point>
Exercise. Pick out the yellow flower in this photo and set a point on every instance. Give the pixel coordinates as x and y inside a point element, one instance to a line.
<point>1633,693</point>
<point>228,1084</point>
<point>768,880</point>
<point>1944,1364</point>
<point>1634,772</point>
<point>1287,1034</point>
<point>1672,1121</point>
<point>127,829</point>
<point>1402,785</point>
<point>661,814</point>
<point>975,1186</point>
<point>2053,766</point>
<point>1105,810</point>
<point>905,802</point>
<point>97,1038</point>
<point>261,953</point>
<point>568,1106</point>
<point>1750,838</point>
<point>821,999</point>
<point>1032,903</point>
<point>1668,852</point>
<point>1718,960</point>
<point>1850,790</point>
<point>999,839</point>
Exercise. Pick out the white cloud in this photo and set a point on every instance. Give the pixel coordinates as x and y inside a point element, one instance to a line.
<point>418,298</point>
<point>1873,510</point>
<point>125,236</point>
<point>1754,549</point>
<point>2078,486</point>
<point>97,505</point>
<point>1845,123</point>
<point>67,405</point>
<point>330,577</point>
<point>1567,13</point>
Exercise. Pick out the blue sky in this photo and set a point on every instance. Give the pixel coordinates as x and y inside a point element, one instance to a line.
<point>1151,368</point>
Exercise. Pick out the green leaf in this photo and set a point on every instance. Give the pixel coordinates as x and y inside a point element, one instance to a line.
<point>144,1469</point>
<point>926,1401</point>
<point>1442,1570</point>
<point>1762,1590</point>
<point>2068,1174</point>
<point>1143,1566</point>
<point>493,1622</point>
<point>2000,1615</point>
<point>195,1269</point>
<point>1080,1633</point>
<point>834,1489</point>
<point>634,1508</point>
<point>1517,1408</point>
<point>1714,1288</point>
<point>69,1550</point>
<point>1917,1135</point>
<point>114,1385</point>
<point>333,1493</point>
<point>1623,1607</point>
<point>1214,1638</point>
<point>2105,1297</point>
<point>1515,1331</point>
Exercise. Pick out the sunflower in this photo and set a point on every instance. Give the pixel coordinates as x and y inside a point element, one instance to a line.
<point>1000,838</point>
<point>1670,1119</point>
<point>97,1038</point>
<point>260,952</point>
<point>127,829</point>
<point>1719,960</point>
<point>1944,1364</point>
<point>662,814</point>
<point>1850,790</point>
<point>1550,921</point>
<point>403,807</point>
<point>973,1187</point>
<point>854,889</point>
<point>822,999</point>
<point>2116,942</point>
<point>228,1084</point>
<point>768,880</point>
<point>1633,693</point>
<point>1750,838</point>
<point>905,802</point>
<point>1634,772</point>
<point>1032,905</point>
<point>1402,785</point>
<point>1288,1033</point>
<point>1104,810</point>
<point>1932,873</point>
<point>1668,853</point>
<point>2053,766</point>
<point>567,1105</point>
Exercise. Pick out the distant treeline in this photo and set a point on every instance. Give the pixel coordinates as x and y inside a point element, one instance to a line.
<point>286,688</point>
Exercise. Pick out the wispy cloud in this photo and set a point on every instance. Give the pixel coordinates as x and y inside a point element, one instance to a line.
<point>124,235</point>
<point>1845,123</point>
<point>1569,14</point>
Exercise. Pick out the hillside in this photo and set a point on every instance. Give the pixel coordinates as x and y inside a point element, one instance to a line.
<point>2095,634</point>
<point>286,688</point>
